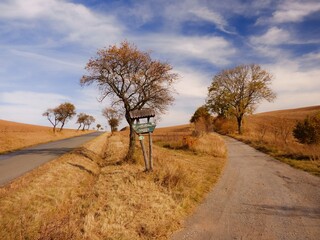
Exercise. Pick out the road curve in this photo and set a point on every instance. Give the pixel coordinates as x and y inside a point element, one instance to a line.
<point>257,197</point>
<point>17,163</point>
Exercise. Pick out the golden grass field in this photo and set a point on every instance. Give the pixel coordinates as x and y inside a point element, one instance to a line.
<point>87,194</point>
<point>15,136</point>
<point>271,132</point>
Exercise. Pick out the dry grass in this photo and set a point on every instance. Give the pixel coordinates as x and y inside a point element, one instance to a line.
<point>86,195</point>
<point>271,132</point>
<point>15,136</point>
<point>46,203</point>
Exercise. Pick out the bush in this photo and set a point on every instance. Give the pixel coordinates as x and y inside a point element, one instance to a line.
<point>308,130</point>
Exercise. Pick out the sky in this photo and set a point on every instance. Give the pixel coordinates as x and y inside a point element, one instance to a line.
<point>45,45</point>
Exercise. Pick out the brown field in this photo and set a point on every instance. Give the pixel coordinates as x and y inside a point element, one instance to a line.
<point>271,132</point>
<point>15,136</point>
<point>86,194</point>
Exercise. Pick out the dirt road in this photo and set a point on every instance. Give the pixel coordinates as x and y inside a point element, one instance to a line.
<point>17,163</point>
<point>257,197</point>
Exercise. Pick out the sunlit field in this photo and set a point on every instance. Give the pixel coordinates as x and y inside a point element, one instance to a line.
<point>18,135</point>
<point>271,132</point>
<point>89,194</point>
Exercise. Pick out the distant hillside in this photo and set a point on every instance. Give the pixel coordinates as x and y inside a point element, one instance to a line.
<point>296,113</point>
<point>20,127</point>
<point>15,135</point>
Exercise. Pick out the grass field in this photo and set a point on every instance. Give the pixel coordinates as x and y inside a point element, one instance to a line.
<point>86,194</point>
<point>271,132</point>
<point>15,136</point>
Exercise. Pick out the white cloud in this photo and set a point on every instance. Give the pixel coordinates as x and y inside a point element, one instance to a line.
<point>295,11</point>
<point>74,21</point>
<point>191,83</point>
<point>274,36</point>
<point>211,16</point>
<point>27,106</point>
<point>215,50</point>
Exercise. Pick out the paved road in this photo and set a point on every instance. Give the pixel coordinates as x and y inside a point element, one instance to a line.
<point>15,164</point>
<point>257,197</point>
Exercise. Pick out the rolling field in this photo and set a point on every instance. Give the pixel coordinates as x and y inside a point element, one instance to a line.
<point>15,136</point>
<point>89,194</point>
<point>271,132</point>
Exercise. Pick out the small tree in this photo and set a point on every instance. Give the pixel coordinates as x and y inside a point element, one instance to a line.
<point>52,117</point>
<point>237,91</point>
<point>113,116</point>
<point>81,119</point>
<point>308,130</point>
<point>132,80</point>
<point>88,121</point>
<point>98,126</point>
<point>202,120</point>
<point>64,112</point>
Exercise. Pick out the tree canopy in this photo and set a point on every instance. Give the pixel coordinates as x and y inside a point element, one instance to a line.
<point>113,117</point>
<point>132,80</point>
<point>237,91</point>
<point>60,114</point>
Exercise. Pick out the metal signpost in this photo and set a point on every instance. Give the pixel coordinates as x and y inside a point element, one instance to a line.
<point>144,128</point>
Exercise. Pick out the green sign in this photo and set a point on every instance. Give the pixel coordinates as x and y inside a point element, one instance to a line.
<point>140,128</point>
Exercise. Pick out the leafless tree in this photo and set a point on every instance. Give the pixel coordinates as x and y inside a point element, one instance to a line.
<point>132,80</point>
<point>52,117</point>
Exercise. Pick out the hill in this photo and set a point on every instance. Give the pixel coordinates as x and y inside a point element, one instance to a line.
<point>271,132</point>
<point>15,135</point>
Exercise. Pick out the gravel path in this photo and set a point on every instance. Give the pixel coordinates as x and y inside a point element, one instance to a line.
<point>257,197</point>
<point>15,164</point>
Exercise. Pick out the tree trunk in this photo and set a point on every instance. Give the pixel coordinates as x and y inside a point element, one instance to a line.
<point>79,127</point>
<point>239,121</point>
<point>132,144</point>
<point>62,126</point>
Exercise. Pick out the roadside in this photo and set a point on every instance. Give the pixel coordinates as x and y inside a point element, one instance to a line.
<point>257,197</point>
<point>16,136</point>
<point>17,163</point>
<point>86,194</point>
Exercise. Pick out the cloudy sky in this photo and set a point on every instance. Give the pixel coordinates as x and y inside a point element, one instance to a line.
<point>45,44</point>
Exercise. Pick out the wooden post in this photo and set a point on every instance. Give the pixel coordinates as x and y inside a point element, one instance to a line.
<point>150,152</point>
<point>144,153</point>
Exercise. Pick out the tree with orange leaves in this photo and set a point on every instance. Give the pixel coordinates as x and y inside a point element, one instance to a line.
<point>132,80</point>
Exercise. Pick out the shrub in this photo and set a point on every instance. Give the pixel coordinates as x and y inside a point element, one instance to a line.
<point>308,130</point>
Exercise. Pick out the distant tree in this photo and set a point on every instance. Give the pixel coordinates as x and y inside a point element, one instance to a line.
<point>81,119</point>
<point>98,126</point>
<point>308,130</point>
<point>237,91</point>
<point>132,80</point>
<point>113,117</point>
<point>52,117</point>
<point>202,120</point>
<point>88,121</point>
<point>64,112</point>
<point>60,114</point>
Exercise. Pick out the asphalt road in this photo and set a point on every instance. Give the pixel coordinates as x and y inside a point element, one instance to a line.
<point>17,163</point>
<point>257,197</point>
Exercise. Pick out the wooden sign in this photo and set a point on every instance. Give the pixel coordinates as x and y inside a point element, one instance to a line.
<point>141,128</point>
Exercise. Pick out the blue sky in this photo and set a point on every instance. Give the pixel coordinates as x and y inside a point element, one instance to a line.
<point>45,44</point>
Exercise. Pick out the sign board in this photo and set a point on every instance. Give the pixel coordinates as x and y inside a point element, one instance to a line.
<point>141,128</point>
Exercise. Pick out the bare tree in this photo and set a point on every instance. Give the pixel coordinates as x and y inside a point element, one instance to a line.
<point>113,116</point>
<point>52,117</point>
<point>237,91</point>
<point>132,80</point>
